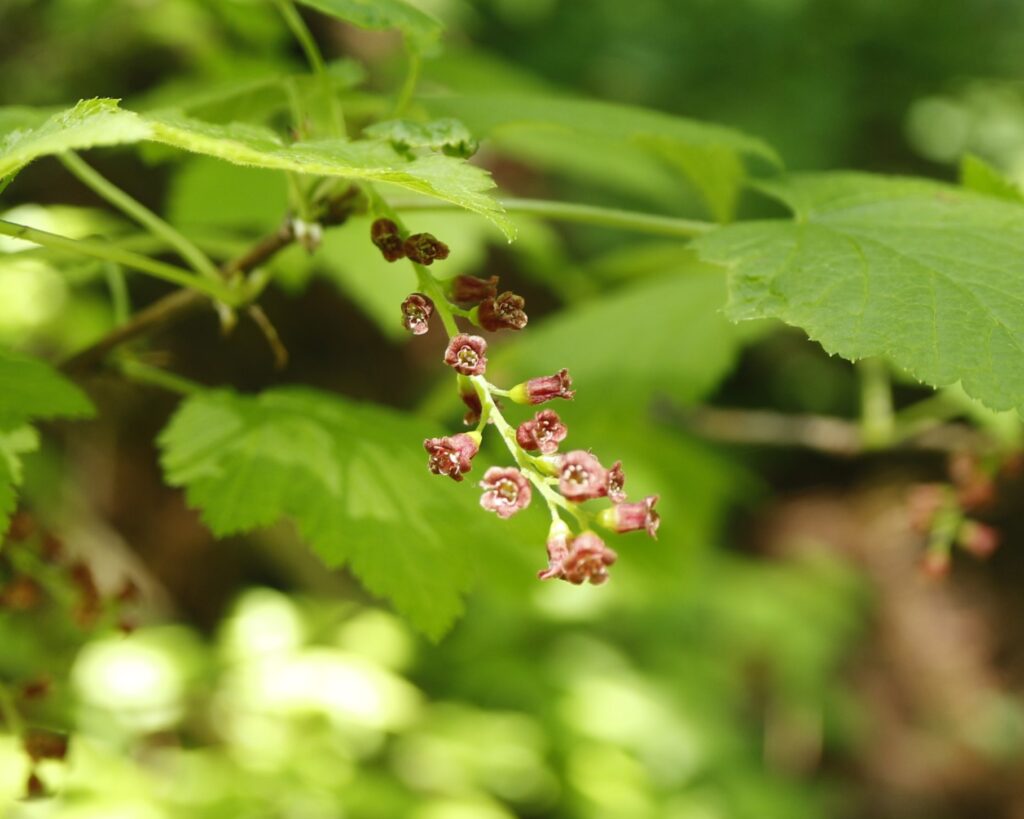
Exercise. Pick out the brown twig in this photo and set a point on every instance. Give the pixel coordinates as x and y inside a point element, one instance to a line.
<point>174,307</point>
<point>834,436</point>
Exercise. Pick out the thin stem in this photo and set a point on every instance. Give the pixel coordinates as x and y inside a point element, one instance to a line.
<point>135,370</point>
<point>635,221</point>
<point>118,293</point>
<point>134,209</point>
<point>877,419</point>
<point>412,78</point>
<point>9,712</point>
<point>106,252</point>
<point>315,59</point>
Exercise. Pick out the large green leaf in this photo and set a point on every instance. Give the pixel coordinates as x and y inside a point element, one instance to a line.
<point>352,477</point>
<point>710,156</point>
<point>926,274</point>
<point>29,390</point>
<point>419,27</point>
<point>101,122</point>
<point>88,124</point>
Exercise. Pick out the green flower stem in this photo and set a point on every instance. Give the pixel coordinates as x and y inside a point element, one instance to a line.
<point>188,251</point>
<point>877,419</point>
<point>508,435</point>
<point>315,59</point>
<point>412,78</point>
<point>135,370</point>
<point>106,252</point>
<point>635,221</point>
<point>12,719</point>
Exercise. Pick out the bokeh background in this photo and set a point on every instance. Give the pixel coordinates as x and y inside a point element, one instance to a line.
<point>777,653</point>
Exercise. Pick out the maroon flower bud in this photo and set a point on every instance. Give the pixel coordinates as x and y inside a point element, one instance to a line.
<point>977,538</point>
<point>581,476</point>
<point>470,397</point>
<point>544,432</point>
<point>34,787</point>
<point>37,689</point>
<point>21,594</point>
<point>502,313</point>
<point>467,354</point>
<point>453,455</point>
<point>506,491</point>
<point>615,483</point>
<point>924,501</point>
<point>416,312</point>
<point>631,517</point>
<point>558,550</point>
<point>469,290</point>
<point>588,559</point>
<point>384,233</point>
<point>423,248</point>
<point>40,744</point>
<point>544,388</point>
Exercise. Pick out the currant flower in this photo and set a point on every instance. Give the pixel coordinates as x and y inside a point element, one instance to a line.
<point>452,455</point>
<point>467,354</point>
<point>416,312</point>
<point>543,433</point>
<point>631,517</point>
<point>502,313</point>
<point>588,559</point>
<point>385,235</point>
<point>544,388</point>
<point>615,482</point>
<point>424,248</point>
<point>581,476</point>
<point>506,491</point>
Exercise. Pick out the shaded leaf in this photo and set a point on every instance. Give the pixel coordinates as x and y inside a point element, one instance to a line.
<point>419,27</point>
<point>352,477</point>
<point>977,175</point>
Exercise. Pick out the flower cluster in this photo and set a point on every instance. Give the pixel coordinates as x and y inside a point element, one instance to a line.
<point>564,481</point>
<point>945,512</point>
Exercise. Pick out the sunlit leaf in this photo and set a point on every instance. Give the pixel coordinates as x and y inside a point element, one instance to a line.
<point>927,274</point>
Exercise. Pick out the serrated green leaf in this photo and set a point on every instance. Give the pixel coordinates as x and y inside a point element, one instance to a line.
<point>90,123</point>
<point>352,477</point>
<point>29,390</point>
<point>449,136</point>
<point>101,122</point>
<point>977,175</point>
<point>32,390</point>
<point>928,275</point>
<point>13,444</point>
<point>418,26</point>
<point>709,156</point>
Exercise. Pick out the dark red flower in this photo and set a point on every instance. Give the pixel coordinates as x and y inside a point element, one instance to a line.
<point>506,491</point>
<point>588,559</point>
<point>544,432</point>
<point>502,313</point>
<point>452,455</point>
<point>385,235</point>
<point>544,388</point>
<point>424,248</point>
<point>469,290</point>
<point>581,476</point>
<point>470,397</point>
<point>416,312</point>
<point>467,354</point>
<point>41,744</point>
<point>615,483</point>
<point>558,550</point>
<point>631,517</point>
